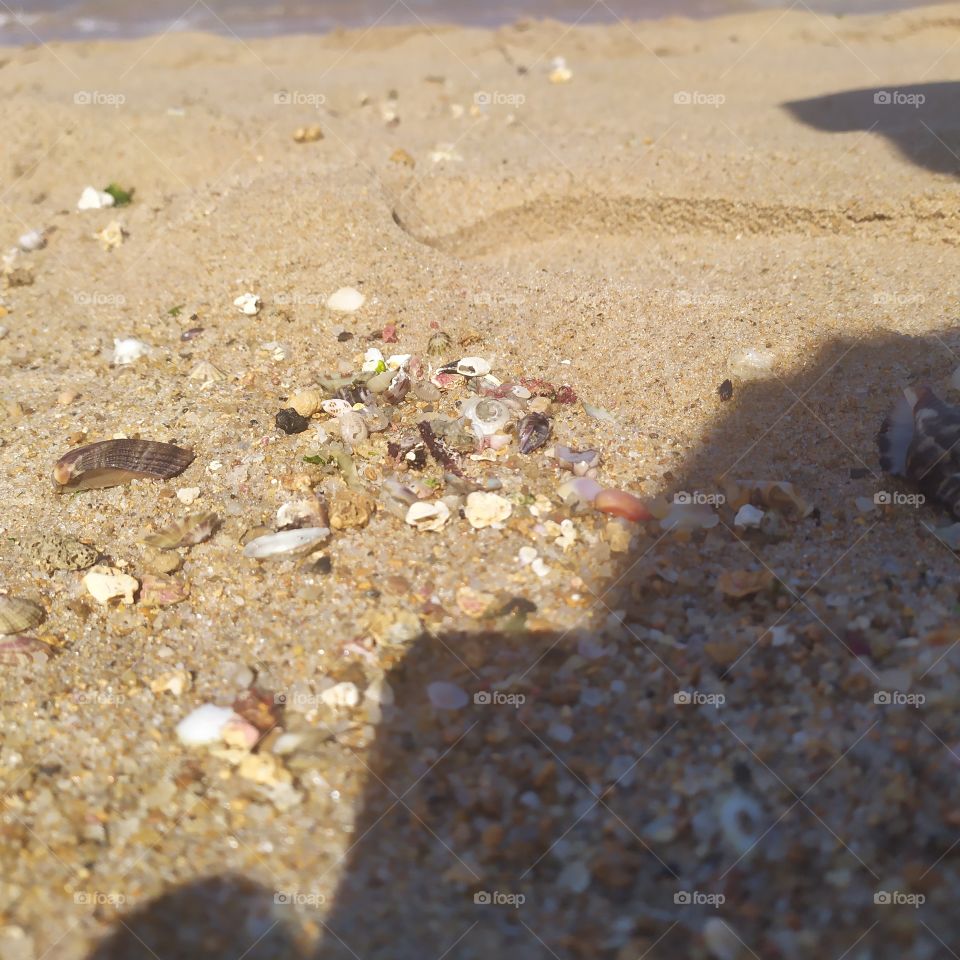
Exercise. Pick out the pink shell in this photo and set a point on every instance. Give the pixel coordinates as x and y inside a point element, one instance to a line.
<point>622,504</point>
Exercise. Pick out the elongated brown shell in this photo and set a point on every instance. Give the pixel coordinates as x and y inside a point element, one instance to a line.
<point>17,614</point>
<point>112,462</point>
<point>192,529</point>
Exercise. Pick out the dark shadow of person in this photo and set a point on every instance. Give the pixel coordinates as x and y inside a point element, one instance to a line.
<point>922,120</point>
<point>697,770</point>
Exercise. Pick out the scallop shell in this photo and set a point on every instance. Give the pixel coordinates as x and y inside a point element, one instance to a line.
<point>17,614</point>
<point>192,529</point>
<point>109,463</point>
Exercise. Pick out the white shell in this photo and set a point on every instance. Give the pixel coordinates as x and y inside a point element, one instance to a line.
<point>473,367</point>
<point>748,516</point>
<point>94,199</point>
<point>583,488</point>
<point>286,541</point>
<point>344,694</point>
<point>107,583</point>
<point>32,240</point>
<point>128,350</point>
<point>345,300</point>
<point>486,509</point>
<point>428,515</point>
<point>486,416</point>
<point>204,725</point>
<point>353,428</point>
<point>372,360</point>
<point>248,303</point>
<point>335,407</point>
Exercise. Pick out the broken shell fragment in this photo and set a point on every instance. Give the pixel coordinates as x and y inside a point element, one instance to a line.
<point>287,541</point>
<point>345,300</point>
<point>107,583</point>
<point>248,303</point>
<point>619,503</point>
<point>17,614</point>
<point>486,509</point>
<point>192,529</point>
<point>579,461</point>
<point>128,350</point>
<point>533,431</point>
<point>55,552</point>
<point>426,515</point>
<point>473,367</point>
<point>109,463</point>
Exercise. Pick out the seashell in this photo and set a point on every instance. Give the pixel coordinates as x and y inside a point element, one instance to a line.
<point>54,552</point>
<point>619,503</point>
<point>486,416</point>
<point>248,303</point>
<point>345,300</point>
<point>533,431</point>
<point>380,383</point>
<point>373,361</point>
<point>162,591</point>
<point>17,614</point>
<point>439,343</point>
<point>749,516</point>
<point>286,541</point>
<point>428,515</point>
<point>689,516</point>
<point>918,440</point>
<point>306,402</point>
<point>486,509</point>
<point>112,462</point>
<point>20,648</point>
<point>582,488</point>
<point>32,240</point>
<point>111,236</point>
<point>94,199</point>
<point>579,461</point>
<point>397,361</point>
<point>192,529</point>
<point>353,428</point>
<point>305,512</point>
<point>598,413</point>
<point>107,583</point>
<point>205,725</point>
<point>473,367</point>
<point>207,372</point>
<point>335,407</point>
<point>399,388</point>
<point>128,350</point>
<point>376,419</point>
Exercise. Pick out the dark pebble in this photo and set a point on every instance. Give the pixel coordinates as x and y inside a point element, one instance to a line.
<point>344,336</point>
<point>289,421</point>
<point>858,473</point>
<point>191,334</point>
<point>725,390</point>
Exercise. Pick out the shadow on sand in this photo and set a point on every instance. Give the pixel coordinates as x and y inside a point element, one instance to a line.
<point>575,807</point>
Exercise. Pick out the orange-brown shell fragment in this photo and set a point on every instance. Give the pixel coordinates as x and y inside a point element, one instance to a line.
<point>109,463</point>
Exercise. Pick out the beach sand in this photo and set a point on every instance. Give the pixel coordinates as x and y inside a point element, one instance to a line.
<point>698,201</point>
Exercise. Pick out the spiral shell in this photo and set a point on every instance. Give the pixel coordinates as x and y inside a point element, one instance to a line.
<point>109,463</point>
<point>353,429</point>
<point>306,402</point>
<point>17,614</point>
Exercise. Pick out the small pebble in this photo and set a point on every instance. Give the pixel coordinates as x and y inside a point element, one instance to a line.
<point>289,421</point>
<point>345,300</point>
<point>205,725</point>
<point>248,303</point>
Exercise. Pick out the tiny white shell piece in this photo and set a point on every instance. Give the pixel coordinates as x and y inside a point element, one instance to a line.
<point>248,303</point>
<point>398,361</point>
<point>204,725</point>
<point>32,240</point>
<point>473,367</point>
<point>486,509</point>
<point>107,583</point>
<point>94,199</point>
<point>345,300</point>
<point>748,516</point>
<point>286,541</point>
<point>372,360</point>
<point>428,514</point>
<point>341,695</point>
<point>582,488</point>
<point>128,350</point>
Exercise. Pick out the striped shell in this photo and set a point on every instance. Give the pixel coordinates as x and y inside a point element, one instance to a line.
<point>920,440</point>
<point>192,529</point>
<point>109,463</point>
<point>17,614</point>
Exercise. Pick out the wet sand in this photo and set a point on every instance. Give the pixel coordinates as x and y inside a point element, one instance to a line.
<point>694,191</point>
